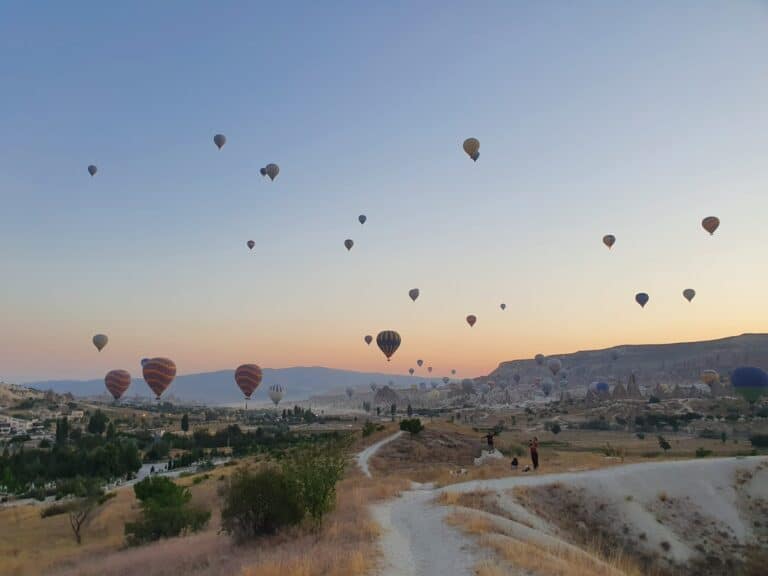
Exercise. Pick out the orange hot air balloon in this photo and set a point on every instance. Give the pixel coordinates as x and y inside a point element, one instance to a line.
<point>248,378</point>
<point>471,319</point>
<point>159,373</point>
<point>710,224</point>
<point>117,382</point>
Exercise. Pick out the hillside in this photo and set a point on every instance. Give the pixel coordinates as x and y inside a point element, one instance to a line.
<point>219,387</point>
<point>650,363</point>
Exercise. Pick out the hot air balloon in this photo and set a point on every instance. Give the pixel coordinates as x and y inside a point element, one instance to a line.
<point>276,393</point>
<point>453,372</point>
<point>271,170</point>
<point>420,363</point>
<point>411,371</point>
<point>100,340</point>
<point>159,373</point>
<point>539,359</point>
<point>642,298</point>
<point>423,386</point>
<point>374,386</point>
<point>248,378</point>
<point>710,377</point>
<point>433,384</point>
<point>251,244</point>
<point>388,342</point>
<point>472,148</point>
<point>609,240</point>
<point>219,140</point>
<point>446,379</point>
<point>503,306</point>
<point>362,218</point>
<point>144,361</point>
<point>554,366</point>
<point>429,369</point>
<point>117,382</point>
<point>601,387</point>
<point>710,224</point>
<point>350,391</point>
<point>750,382</point>
<point>348,243</point>
<point>546,387</point>
<point>92,170</point>
<point>689,293</point>
<point>413,293</point>
<point>368,339</point>
<point>471,319</point>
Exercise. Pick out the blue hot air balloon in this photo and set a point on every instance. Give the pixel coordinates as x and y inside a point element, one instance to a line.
<point>601,387</point>
<point>750,382</point>
<point>642,298</point>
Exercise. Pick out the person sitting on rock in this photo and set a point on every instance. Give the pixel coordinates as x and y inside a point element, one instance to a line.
<point>514,463</point>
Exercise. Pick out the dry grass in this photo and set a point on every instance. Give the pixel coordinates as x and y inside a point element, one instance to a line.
<point>535,558</point>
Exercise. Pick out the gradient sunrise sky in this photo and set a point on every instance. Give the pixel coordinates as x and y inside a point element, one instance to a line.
<point>632,118</point>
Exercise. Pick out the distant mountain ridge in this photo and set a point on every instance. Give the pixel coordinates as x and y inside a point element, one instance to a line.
<point>650,363</point>
<point>219,387</point>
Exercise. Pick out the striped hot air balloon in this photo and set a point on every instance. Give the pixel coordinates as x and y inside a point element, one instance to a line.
<point>276,393</point>
<point>159,373</point>
<point>117,382</point>
<point>248,378</point>
<point>388,342</point>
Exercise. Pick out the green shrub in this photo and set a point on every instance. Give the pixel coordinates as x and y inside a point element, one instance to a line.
<point>368,428</point>
<point>166,511</point>
<point>759,440</point>
<point>257,503</point>
<point>703,452</point>
<point>412,425</point>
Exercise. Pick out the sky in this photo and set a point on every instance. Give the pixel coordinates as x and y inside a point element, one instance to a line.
<point>594,117</point>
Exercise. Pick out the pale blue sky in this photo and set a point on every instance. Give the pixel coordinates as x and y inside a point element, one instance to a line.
<point>635,118</point>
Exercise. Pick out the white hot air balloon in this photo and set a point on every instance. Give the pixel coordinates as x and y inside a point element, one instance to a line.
<point>276,393</point>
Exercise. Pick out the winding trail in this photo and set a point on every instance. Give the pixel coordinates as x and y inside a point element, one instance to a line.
<point>365,455</point>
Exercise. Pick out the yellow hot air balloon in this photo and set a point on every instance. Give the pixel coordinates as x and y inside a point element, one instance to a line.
<point>472,148</point>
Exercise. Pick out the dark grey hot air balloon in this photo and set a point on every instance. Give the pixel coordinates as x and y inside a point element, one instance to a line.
<point>348,243</point>
<point>92,170</point>
<point>689,294</point>
<point>219,140</point>
<point>413,293</point>
<point>271,170</point>
<point>642,299</point>
<point>710,224</point>
<point>362,218</point>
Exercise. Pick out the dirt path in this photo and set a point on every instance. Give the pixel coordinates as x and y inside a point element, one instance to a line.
<point>365,455</point>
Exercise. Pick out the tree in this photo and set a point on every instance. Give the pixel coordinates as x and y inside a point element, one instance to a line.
<point>62,431</point>
<point>97,424</point>
<point>378,410</point>
<point>723,436</point>
<point>409,410</point>
<point>166,511</point>
<point>111,431</point>
<point>412,425</point>
<point>663,444</point>
<point>185,423</point>
<point>366,406</point>
<point>89,496</point>
<point>555,428</point>
<point>393,411</point>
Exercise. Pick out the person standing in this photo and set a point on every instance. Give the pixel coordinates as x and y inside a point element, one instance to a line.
<point>534,447</point>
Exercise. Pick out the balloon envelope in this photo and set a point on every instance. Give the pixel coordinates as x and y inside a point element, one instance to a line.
<point>710,376</point>
<point>413,293</point>
<point>539,359</point>
<point>272,170</point>
<point>750,382</point>
<point>453,371</point>
<point>446,379</point>
<point>276,393</point>
<point>554,366</point>
<point>710,224</point>
<point>411,371</point>
<point>602,387</point>
<point>350,392</point>
<point>689,293</point>
<point>429,369</point>
<point>248,377</point>
<point>471,319</point>
<point>420,363</point>
<point>219,140</point>
<point>388,342</point>
<point>159,373</point>
<point>503,306</point>
<point>362,218</point>
<point>100,340</point>
<point>117,382</point>
<point>609,240</point>
<point>642,298</point>
<point>348,243</point>
<point>92,170</point>
<point>472,148</point>
<point>251,244</point>
<point>368,339</point>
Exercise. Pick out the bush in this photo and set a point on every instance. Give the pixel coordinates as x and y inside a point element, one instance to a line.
<point>759,440</point>
<point>368,428</point>
<point>166,511</point>
<point>703,452</point>
<point>641,435</point>
<point>412,425</point>
<point>257,503</point>
<point>555,428</point>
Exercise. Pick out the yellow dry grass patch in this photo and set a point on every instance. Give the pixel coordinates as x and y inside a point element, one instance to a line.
<point>535,558</point>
